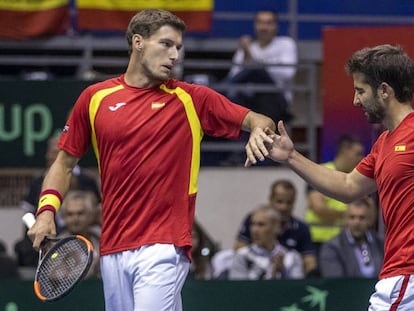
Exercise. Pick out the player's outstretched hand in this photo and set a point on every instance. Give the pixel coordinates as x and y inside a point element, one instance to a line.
<point>257,146</point>
<point>282,146</point>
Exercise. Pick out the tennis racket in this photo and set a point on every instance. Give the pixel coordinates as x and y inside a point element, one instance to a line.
<point>62,264</point>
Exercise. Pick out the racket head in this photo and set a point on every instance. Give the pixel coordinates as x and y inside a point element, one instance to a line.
<point>62,267</point>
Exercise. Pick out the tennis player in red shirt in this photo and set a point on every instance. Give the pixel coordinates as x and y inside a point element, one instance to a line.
<point>146,129</point>
<point>383,82</point>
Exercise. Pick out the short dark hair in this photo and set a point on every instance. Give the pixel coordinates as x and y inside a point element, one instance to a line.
<point>288,185</point>
<point>346,141</point>
<point>148,21</point>
<point>274,13</point>
<point>385,63</point>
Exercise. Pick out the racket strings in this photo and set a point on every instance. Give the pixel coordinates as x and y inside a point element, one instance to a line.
<point>62,268</point>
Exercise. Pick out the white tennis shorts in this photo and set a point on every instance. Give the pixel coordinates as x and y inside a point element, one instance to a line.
<point>149,278</point>
<point>393,294</point>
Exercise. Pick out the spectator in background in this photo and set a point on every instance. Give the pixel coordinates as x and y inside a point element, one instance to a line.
<point>324,215</point>
<point>26,256</point>
<point>354,252</point>
<point>201,253</point>
<point>78,216</point>
<point>265,257</point>
<point>8,266</point>
<point>294,233</point>
<point>269,59</point>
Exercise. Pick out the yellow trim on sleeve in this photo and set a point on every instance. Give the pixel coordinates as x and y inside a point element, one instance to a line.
<point>196,133</point>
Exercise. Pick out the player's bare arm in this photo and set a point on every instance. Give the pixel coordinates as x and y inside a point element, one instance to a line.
<point>342,186</point>
<point>257,124</point>
<point>57,178</point>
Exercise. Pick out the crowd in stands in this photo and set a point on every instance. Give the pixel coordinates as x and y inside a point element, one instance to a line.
<point>268,245</point>
<point>273,251</point>
<point>334,240</point>
<point>273,244</point>
<point>337,240</point>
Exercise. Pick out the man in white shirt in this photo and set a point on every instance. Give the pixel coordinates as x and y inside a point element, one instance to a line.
<point>269,59</point>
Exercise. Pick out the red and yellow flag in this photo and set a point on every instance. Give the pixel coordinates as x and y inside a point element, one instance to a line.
<point>115,14</point>
<point>21,19</point>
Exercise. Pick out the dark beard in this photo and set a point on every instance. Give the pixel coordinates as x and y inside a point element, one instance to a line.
<point>376,118</point>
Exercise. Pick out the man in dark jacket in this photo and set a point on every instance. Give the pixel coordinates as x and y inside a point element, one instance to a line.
<point>355,252</point>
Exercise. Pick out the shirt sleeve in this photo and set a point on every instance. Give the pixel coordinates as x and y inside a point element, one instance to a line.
<point>219,116</point>
<point>238,269</point>
<point>306,246</point>
<point>366,166</point>
<point>330,263</point>
<point>237,60</point>
<point>244,231</point>
<point>294,265</point>
<point>76,135</point>
<point>285,54</point>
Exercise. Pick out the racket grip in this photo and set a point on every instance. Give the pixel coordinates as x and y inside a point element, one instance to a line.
<point>29,220</point>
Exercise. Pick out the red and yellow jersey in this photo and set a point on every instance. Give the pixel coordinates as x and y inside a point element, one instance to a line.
<point>147,143</point>
<point>391,164</point>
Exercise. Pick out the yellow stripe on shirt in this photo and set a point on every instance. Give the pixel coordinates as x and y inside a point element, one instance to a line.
<point>196,132</point>
<point>93,108</point>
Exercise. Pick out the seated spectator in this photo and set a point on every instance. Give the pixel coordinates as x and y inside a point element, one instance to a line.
<point>265,60</point>
<point>324,215</point>
<point>200,268</point>
<point>26,255</point>
<point>8,266</point>
<point>265,257</point>
<point>78,212</point>
<point>294,234</point>
<point>356,251</point>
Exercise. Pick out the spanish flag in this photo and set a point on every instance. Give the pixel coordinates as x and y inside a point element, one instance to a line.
<point>114,15</point>
<point>24,19</point>
<point>400,148</point>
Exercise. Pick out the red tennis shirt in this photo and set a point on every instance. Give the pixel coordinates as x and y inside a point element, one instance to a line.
<point>391,164</point>
<point>147,143</point>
